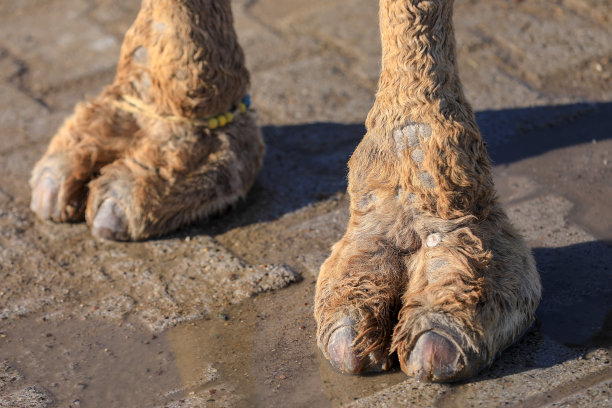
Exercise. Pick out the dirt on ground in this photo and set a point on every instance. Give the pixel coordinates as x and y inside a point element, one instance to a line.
<point>220,313</point>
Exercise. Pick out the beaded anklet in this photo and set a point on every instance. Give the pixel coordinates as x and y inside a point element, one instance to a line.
<point>228,117</point>
<point>134,105</point>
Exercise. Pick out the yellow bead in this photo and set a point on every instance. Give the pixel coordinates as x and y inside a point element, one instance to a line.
<point>229,116</point>
<point>213,123</point>
<point>222,120</point>
<point>242,107</point>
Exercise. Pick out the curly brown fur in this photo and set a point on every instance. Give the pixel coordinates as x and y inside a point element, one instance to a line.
<point>420,182</point>
<point>180,59</point>
<point>369,295</point>
<point>429,265</point>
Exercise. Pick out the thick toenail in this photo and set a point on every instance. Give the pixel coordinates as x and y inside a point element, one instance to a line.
<point>44,198</point>
<point>341,353</point>
<point>435,358</point>
<point>110,222</point>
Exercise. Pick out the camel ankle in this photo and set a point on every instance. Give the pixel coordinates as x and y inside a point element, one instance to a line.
<point>182,58</point>
<point>421,119</point>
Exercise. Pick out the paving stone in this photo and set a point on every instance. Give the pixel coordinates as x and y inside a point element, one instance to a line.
<point>362,46</point>
<point>264,46</point>
<point>15,166</point>
<point>501,386</point>
<point>282,14</point>
<point>24,120</point>
<point>527,67</point>
<point>533,38</point>
<point>599,395</point>
<point>223,398</point>
<point>30,397</point>
<point>513,188</point>
<point>115,16</point>
<point>569,261</point>
<point>162,282</point>
<point>320,92</point>
<point>48,50</point>
<point>552,231</point>
<point>9,67</point>
<point>307,235</point>
<point>8,374</point>
<point>19,8</point>
<point>487,85</point>
<point>598,11</point>
<point>20,117</point>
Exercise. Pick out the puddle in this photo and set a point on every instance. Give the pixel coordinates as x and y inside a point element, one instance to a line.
<point>90,363</point>
<point>266,351</point>
<point>258,353</point>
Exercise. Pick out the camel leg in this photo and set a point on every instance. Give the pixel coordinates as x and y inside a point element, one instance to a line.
<point>426,235</point>
<point>169,142</point>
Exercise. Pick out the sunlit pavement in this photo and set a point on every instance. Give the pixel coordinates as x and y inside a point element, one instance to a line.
<point>220,313</point>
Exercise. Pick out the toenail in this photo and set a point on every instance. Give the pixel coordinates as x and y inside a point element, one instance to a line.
<point>435,358</point>
<point>433,240</point>
<point>44,198</point>
<point>110,222</point>
<point>341,353</point>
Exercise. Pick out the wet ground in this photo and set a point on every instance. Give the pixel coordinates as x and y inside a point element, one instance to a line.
<point>220,313</point>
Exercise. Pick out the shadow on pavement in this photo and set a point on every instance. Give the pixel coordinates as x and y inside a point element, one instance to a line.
<point>577,281</point>
<point>575,313</point>
<point>517,134</point>
<point>308,163</point>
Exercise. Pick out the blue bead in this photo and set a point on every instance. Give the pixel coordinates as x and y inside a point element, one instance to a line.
<point>247,101</point>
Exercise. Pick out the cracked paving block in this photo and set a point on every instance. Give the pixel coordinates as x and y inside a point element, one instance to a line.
<point>266,48</point>
<point>221,395</point>
<point>8,374</point>
<point>320,89</point>
<point>282,14</point>
<point>504,384</point>
<point>23,119</point>
<point>542,221</point>
<point>362,45</point>
<point>115,16</point>
<point>48,50</point>
<point>599,395</point>
<point>161,282</point>
<point>30,397</point>
<point>536,35</point>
